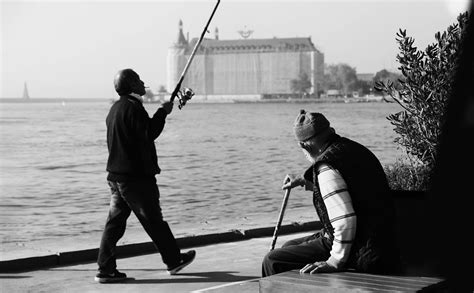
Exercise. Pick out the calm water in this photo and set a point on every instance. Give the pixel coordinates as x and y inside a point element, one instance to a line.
<point>218,161</point>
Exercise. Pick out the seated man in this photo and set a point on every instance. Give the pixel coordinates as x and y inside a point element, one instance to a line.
<point>352,199</point>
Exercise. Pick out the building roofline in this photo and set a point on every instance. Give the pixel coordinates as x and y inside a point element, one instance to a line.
<point>297,44</point>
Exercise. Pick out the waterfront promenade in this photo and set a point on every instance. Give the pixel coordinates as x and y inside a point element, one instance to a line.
<point>230,254</point>
<point>220,267</point>
<point>227,261</point>
<point>224,267</point>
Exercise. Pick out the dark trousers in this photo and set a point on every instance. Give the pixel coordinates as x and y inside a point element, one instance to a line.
<point>143,198</point>
<point>296,253</point>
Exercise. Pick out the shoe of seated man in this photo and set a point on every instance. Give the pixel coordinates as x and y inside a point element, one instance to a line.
<point>113,277</point>
<point>186,259</point>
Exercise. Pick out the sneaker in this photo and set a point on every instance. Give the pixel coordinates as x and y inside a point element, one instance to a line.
<point>186,259</point>
<point>116,276</point>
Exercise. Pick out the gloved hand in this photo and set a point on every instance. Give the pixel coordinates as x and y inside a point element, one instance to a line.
<point>168,106</point>
<point>292,180</point>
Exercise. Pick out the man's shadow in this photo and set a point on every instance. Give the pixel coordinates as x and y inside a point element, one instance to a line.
<point>204,277</point>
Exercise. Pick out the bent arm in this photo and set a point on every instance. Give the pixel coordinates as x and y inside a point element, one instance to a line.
<point>157,123</point>
<point>144,127</point>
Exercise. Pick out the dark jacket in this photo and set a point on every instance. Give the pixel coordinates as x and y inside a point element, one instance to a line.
<point>374,248</point>
<point>130,140</point>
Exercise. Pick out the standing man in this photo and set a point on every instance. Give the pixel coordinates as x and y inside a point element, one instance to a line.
<point>352,199</point>
<point>132,165</point>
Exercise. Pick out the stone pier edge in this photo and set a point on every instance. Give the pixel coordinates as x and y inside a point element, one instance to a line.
<point>136,249</point>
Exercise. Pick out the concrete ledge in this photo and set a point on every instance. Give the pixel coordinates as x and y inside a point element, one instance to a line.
<point>284,229</point>
<point>135,249</point>
<point>200,240</point>
<point>30,263</point>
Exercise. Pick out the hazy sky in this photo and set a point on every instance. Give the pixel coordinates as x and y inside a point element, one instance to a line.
<point>72,49</point>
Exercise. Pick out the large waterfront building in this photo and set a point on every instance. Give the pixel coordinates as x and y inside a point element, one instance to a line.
<point>244,68</point>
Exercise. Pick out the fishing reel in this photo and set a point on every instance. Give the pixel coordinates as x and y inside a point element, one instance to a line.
<point>184,96</point>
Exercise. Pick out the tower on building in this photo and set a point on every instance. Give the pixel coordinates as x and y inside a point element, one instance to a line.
<point>176,59</point>
<point>26,95</point>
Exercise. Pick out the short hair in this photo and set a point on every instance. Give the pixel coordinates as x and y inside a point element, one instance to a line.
<point>123,80</point>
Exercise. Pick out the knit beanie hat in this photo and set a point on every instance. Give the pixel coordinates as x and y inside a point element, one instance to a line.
<point>308,125</point>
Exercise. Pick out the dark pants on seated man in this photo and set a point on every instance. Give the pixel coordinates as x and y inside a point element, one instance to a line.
<point>297,253</point>
<point>143,198</point>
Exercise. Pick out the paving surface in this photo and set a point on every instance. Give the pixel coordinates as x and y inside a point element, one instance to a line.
<point>224,267</point>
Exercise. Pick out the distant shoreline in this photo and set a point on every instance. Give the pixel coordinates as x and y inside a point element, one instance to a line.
<point>224,101</point>
<point>318,100</point>
<point>50,100</point>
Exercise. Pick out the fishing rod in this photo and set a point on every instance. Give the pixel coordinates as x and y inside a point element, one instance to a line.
<point>186,94</point>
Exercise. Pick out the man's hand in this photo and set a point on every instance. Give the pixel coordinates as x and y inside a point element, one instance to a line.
<point>318,267</point>
<point>168,106</point>
<point>293,181</point>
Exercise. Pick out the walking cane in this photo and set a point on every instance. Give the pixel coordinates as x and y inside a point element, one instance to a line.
<point>280,218</point>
